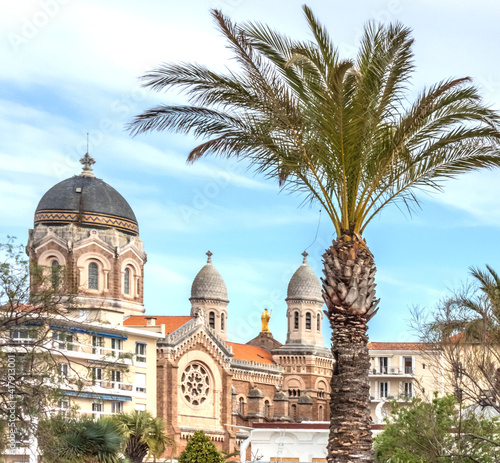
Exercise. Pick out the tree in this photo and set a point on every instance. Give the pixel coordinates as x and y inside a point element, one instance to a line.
<point>71,440</point>
<point>427,432</point>
<point>200,449</point>
<point>463,331</point>
<point>143,435</point>
<point>30,378</point>
<point>340,132</point>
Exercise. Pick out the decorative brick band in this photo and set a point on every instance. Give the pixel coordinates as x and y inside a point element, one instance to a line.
<point>87,218</point>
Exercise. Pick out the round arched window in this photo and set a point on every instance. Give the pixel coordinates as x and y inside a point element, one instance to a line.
<point>93,281</point>
<point>126,281</point>
<point>195,384</point>
<point>54,276</point>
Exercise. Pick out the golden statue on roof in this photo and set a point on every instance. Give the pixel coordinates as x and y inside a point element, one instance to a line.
<point>265,321</point>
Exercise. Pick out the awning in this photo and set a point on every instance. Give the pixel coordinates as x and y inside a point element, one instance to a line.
<point>91,332</point>
<point>91,395</point>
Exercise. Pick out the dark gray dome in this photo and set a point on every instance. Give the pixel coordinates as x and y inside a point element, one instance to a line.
<point>304,284</point>
<point>88,201</point>
<point>208,284</point>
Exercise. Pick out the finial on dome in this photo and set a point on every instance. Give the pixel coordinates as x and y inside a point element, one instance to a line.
<point>87,162</point>
<point>305,254</point>
<point>209,260</point>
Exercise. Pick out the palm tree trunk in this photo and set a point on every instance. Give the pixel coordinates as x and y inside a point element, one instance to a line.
<point>349,293</point>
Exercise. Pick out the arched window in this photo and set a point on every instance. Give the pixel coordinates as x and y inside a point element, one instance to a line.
<point>308,320</point>
<point>211,320</point>
<point>294,412</point>
<point>126,281</point>
<point>54,276</point>
<point>267,409</point>
<point>296,321</point>
<point>222,322</point>
<point>318,322</point>
<point>93,282</point>
<point>241,405</point>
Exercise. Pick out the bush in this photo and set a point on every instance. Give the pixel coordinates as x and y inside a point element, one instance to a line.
<point>200,449</point>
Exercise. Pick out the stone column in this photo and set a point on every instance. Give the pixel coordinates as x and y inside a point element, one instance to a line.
<point>305,408</point>
<point>280,402</point>
<point>255,403</point>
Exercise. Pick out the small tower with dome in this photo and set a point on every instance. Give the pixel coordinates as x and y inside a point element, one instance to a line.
<point>86,231</point>
<point>209,296</point>
<point>304,301</point>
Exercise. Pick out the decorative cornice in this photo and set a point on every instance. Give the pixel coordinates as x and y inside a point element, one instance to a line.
<point>86,218</point>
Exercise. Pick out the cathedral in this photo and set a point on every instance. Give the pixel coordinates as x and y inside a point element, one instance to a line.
<point>198,379</point>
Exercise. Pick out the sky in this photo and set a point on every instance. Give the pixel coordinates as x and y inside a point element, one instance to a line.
<point>72,67</point>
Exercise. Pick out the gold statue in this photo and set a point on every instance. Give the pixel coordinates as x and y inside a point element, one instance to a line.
<point>265,321</point>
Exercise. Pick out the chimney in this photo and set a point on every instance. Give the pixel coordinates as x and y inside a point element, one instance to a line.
<point>150,321</point>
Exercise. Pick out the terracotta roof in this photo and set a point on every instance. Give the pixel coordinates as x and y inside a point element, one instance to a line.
<point>171,322</point>
<point>396,345</point>
<point>246,352</point>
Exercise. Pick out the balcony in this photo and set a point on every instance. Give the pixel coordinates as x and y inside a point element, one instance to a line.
<point>392,371</point>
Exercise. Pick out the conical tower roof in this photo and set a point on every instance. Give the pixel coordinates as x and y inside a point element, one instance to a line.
<point>304,284</point>
<point>208,284</point>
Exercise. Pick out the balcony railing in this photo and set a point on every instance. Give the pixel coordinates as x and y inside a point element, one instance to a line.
<point>392,371</point>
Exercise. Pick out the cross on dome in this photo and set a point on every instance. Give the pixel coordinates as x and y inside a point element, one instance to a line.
<point>209,254</point>
<point>87,162</point>
<point>305,254</point>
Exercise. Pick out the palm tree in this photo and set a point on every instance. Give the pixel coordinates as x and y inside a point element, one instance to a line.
<point>70,440</point>
<point>341,132</point>
<point>144,435</point>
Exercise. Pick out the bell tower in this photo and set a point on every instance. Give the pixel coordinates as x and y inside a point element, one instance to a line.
<point>304,304</point>
<point>209,295</point>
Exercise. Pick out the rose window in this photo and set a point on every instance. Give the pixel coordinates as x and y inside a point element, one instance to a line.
<point>195,384</point>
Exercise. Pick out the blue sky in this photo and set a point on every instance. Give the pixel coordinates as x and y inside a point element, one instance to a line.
<point>70,67</point>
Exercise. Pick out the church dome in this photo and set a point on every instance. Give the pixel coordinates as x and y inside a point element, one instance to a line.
<point>87,201</point>
<point>304,284</point>
<point>208,284</point>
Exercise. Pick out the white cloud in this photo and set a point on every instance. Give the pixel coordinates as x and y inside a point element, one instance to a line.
<point>477,194</point>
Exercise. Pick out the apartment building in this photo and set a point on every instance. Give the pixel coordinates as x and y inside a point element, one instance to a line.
<point>400,371</point>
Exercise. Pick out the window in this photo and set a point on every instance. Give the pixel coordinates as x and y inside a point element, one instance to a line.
<point>63,369</point>
<point>384,390</point>
<point>140,352</point>
<point>116,378</point>
<point>296,321</point>
<point>267,409</point>
<point>62,340</point>
<point>241,406</point>
<point>211,319</point>
<point>93,280</point>
<point>116,347</point>
<point>23,335</point>
<point>222,328</point>
<point>384,365</point>
<point>96,376</point>
<point>54,276</point>
<point>408,390</point>
<point>126,281</point>
<point>140,382</point>
<point>97,343</point>
<point>116,407</point>
<point>318,322</point>
<point>294,412</point>
<point>96,409</point>
<point>63,404</point>
<point>308,321</point>
<point>408,361</point>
